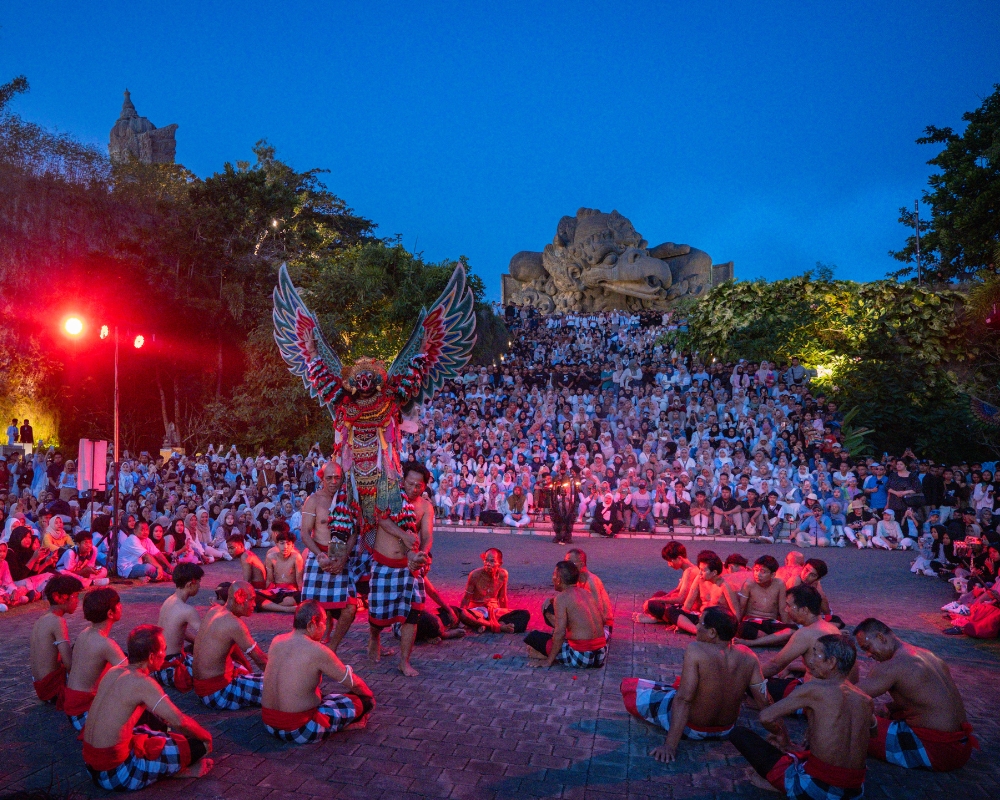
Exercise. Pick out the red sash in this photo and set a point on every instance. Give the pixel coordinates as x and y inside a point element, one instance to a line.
<point>840,777</point>
<point>293,720</point>
<point>105,759</point>
<point>182,676</point>
<point>76,702</point>
<point>52,686</point>
<point>587,645</point>
<point>203,687</point>
<point>947,750</point>
<point>395,563</point>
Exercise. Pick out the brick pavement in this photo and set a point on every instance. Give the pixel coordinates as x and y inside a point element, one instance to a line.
<point>479,727</point>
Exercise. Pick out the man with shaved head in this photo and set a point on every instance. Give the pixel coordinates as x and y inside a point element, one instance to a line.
<point>223,636</point>
<point>328,580</point>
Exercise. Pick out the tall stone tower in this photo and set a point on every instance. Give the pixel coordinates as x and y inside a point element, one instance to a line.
<point>136,137</point>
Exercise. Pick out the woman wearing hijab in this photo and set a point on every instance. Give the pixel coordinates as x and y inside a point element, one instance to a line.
<point>30,565</point>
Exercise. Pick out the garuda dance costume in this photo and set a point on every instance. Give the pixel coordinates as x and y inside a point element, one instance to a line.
<point>367,401</point>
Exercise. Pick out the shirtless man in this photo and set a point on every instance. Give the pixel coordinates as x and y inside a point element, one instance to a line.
<point>811,573</point>
<point>791,568</point>
<point>595,585</point>
<point>328,582</point>
<point>254,573</point>
<point>704,703</point>
<point>709,589</point>
<point>179,622</point>
<point>294,709</point>
<point>735,571</point>
<point>762,606</point>
<point>803,606</point>
<point>655,609</point>
<point>578,637</point>
<point>926,727</point>
<point>484,606</point>
<point>51,653</point>
<point>283,564</point>
<point>94,653</point>
<point>116,760</point>
<point>217,681</point>
<point>840,721</point>
<point>397,585</point>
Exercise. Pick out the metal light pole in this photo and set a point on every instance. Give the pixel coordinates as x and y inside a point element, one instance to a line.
<point>113,531</point>
<point>916,225</point>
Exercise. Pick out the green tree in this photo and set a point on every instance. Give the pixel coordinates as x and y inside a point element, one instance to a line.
<point>959,240</point>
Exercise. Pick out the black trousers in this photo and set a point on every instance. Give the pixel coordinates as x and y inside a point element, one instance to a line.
<point>760,753</point>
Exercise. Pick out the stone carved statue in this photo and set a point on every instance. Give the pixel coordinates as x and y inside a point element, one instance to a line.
<point>598,262</point>
<point>136,137</point>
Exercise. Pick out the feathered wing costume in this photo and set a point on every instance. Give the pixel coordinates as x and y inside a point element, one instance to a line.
<point>366,401</point>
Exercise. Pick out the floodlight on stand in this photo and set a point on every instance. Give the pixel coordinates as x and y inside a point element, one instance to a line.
<point>139,341</point>
<point>73,326</point>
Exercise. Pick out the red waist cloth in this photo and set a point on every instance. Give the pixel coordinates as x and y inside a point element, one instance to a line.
<point>292,720</point>
<point>395,563</point>
<point>76,702</point>
<point>203,687</point>
<point>182,676</point>
<point>105,759</point>
<point>258,584</point>
<point>587,645</point>
<point>711,728</point>
<point>52,686</point>
<point>947,750</point>
<point>841,777</point>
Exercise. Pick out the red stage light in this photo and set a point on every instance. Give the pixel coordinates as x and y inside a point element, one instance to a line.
<point>73,326</point>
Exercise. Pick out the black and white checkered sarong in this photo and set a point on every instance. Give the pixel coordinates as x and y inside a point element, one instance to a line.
<point>330,591</point>
<point>245,689</point>
<point>395,592</point>
<point>335,713</point>
<point>138,772</point>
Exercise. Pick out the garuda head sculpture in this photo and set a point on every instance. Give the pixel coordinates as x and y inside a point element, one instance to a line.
<point>366,400</point>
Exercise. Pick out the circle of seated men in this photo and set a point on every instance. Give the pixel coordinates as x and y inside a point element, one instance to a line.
<point>133,734</point>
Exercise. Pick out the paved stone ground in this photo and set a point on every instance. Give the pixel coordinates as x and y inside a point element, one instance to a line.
<point>473,725</point>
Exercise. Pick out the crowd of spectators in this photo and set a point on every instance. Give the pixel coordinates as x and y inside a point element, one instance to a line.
<point>593,419</point>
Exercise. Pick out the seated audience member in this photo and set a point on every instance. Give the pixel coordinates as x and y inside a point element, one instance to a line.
<point>927,727</point>
<point>294,709</point>
<point>484,606</point>
<point>10,593</point>
<point>120,753</point>
<point>803,604</point>
<point>255,573</point>
<point>704,703</point>
<point>138,557</point>
<point>180,622</point>
<point>51,652</point>
<point>859,524</point>
<point>94,653</point>
<point>30,566</point>
<point>700,512</point>
<point>762,603</point>
<point>607,520</point>
<point>514,509</point>
<point>223,636</point>
<point>81,562</point>
<point>839,716</point>
<point>655,609</point>
<point>56,538</point>
<point>578,637</point>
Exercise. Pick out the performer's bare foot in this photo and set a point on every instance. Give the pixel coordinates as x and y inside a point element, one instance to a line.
<point>457,633</point>
<point>759,782</point>
<point>506,627</point>
<point>408,671</point>
<point>356,726</point>
<point>643,619</point>
<point>199,770</point>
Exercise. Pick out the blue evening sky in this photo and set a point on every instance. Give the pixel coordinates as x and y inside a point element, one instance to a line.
<point>771,134</point>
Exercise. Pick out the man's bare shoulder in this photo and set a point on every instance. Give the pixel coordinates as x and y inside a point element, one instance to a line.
<point>49,623</point>
<point>310,504</point>
<point>272,555</point>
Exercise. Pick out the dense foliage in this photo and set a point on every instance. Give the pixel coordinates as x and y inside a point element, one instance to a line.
<point>901,354</point>
<point>961,238</point>
<point>189,263</point>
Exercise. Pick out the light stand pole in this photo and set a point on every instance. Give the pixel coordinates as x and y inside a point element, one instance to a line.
<point>113,531</point>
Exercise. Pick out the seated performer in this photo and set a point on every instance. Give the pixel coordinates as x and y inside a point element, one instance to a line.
<point>122,755</point>
<point>397,581</point>
<point>704,703</point>
<point>578,637</point>
<point>803,607</point>
<point>294,709</point>
<point>654,610</point>
<point>927,727</point>
<point>94,653</point>
<point>254,573</point>
<point>433,627</point>
<point>51,653</point>
<point>484,605</point>
<point>595,585</point>
<point>788,573</point>
<point>324,579</point>
<point>762,603</point>
<point>840,718</point>
<point>283,563</point>
<point>709,589</point>
<point>217,681</point>
<point>180,622</point>
<point>811,573</point>
<point>736,572</point>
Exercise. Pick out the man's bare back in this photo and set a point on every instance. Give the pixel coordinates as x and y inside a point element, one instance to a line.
<point>596,587</point>
<point>840,718</point>
<point>219,631</point>
<point>583,616</point>
<point>93,652</point>
<point>724,674</point>
<point>180,623</point>
<point>49,644</point>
